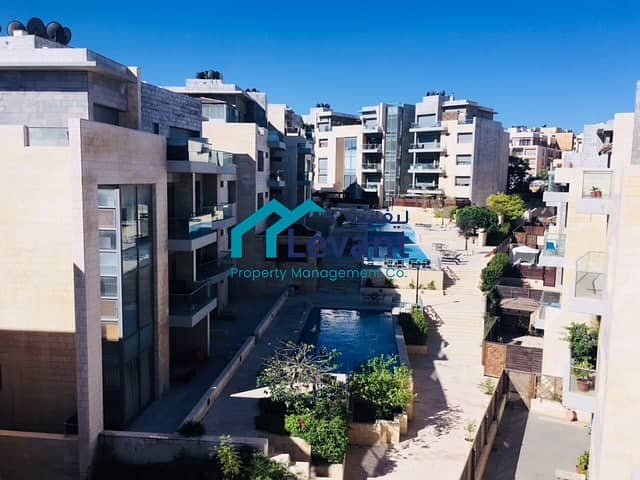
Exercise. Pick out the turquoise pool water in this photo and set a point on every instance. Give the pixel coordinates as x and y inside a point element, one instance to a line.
<point>411,247</point>
<point>357,334</point>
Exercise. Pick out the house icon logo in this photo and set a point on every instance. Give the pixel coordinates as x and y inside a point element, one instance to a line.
<point>287,218</point>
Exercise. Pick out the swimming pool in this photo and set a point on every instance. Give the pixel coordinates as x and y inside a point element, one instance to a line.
<point>357,334</point>
<point>411,247</point>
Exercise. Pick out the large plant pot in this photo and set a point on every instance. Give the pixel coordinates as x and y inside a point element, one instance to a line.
<point>584,385</point>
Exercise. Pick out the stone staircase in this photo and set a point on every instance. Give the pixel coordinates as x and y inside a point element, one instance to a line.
<point>302,470</point>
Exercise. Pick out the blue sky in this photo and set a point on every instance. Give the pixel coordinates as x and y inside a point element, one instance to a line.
<point>561,63</point>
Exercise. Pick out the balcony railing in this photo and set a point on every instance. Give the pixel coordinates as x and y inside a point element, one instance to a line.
<point>596,184</point>
<point>554,244</point>
<point>219,212</point>
<point>324,128</point>
<point>425,185</point>
<point>582,380</point>
<point>47,137</point>
<point>211,267</point>
<point>371,187</point>
<point>426,146</point>
<point>202,224</point>
<point>371,147</point>
<point>190,299</point>
<point>590,275</point>
<point>422,167</point>
<point>465,121</point>
<point>196,150</point>
<point>275,140</point>
<point>425,125</point>
<point>372,166</point>
<point>371,127</point>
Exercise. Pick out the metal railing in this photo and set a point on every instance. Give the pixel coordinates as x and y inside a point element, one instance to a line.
<point>371,146</point>
<point>189,300</point>
<point>590,275</point>
<point>424,166</point>
<point>47,137</point>
<point>372,166</point>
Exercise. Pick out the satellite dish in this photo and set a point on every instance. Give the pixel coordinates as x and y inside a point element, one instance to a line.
<point>55,32</point>
<point>13,26</point>
<point>35,26</point>
<point>67,36</point>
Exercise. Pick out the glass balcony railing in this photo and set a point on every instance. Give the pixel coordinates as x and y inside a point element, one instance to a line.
<point>211,267</point>
<point>582,379</point>
<point>324,128</point>
<point>195,226</point>
<point>426,146</point>
<point>596,184</point>
<point>418,167</point>
<point>554,244</point>
<point>188,300</point>
<point>371,187</point>
<point>371,146</point>
<point>47,137</point>
<point>590,275</point>
<point>465,121</point>
<point>275,139</point>
<point>372,166</point>
<point>426,124</point>
<point>425,186</point>
<point>196,150</point>
<point>371,126</point>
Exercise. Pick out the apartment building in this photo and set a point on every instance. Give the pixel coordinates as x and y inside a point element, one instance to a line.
<point>116,197</point>
<point>291,156</point>
<point>439,147</point>
<point>539,146</point>
<point>596,246</point>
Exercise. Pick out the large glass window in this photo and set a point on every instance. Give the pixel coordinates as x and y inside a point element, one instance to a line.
<point>463,159</point>
<point>350,160</point>
<point>465,138</point>
<point>323,170</point>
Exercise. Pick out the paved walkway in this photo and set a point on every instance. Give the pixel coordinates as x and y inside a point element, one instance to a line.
<point>446,381</point>
<point>233,412</point>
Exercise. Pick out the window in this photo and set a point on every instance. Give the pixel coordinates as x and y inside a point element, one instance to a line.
<point>465,138</point>
<point>260,161</point>
<point>156,128</point>
<point>350,160</point>
<point>323,142</point>
<point>427,120</point>
<point>323,170</point>
<point>222,184</point>
<point>214,112</point>
<point>463,159</point>
<point>260,200</point>
<point>524,142</point>
<point>463,181</point>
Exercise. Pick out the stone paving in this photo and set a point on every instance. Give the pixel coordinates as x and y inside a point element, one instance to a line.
<point>446,379</point>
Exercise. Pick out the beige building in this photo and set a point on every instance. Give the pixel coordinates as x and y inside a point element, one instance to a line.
<point>539,146</point>
<point>439,147</point>
<point>595,241</point>
<point>112,203</point>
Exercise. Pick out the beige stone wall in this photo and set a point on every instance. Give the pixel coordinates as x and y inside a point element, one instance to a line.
<point>34,456</point>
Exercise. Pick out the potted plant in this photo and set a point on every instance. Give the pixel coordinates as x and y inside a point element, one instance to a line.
<point>583,371</point>
<point>583,463</point>
<point>596,192</point>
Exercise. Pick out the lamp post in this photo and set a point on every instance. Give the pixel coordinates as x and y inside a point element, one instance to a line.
<point>417,281</point>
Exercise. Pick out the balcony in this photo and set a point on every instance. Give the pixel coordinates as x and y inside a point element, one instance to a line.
<point>195,155</point>
<point>590,283</point>
<point>427,127</point>
<point>422,188</point>
<point>426,147</point>
<point>552,252</point>
<point>465,121</point>
<point>371,148</point>
<point>372,187</point>
<point>323,127</point>
<point>47,137</point>
<point>596,192</point>
<point>189,304</point>
<point>275,140</point>
<point>579,388</point>
<point>549,308</point>
<point>372,167</point>
<point>214,269</point>
<point>426,168</point>
<point>197,231</point>
<point>371,128</point>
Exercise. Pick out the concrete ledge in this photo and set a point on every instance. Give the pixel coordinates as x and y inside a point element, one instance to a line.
<point>297,449</point>
<point>271,315</point>
<point>143,447</point>
<point>382,432</point>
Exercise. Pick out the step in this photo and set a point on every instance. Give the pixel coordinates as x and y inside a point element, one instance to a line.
<point>300,470</point>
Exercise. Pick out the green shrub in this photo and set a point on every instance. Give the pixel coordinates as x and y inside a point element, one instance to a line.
<point>497,234</point>
<point>431,285</point>
<point>261,468</point>
<point>328,436</point>
<point>192,429</point>
<point>384,384</point>
<point>228,458</point>
<point>583,342</point>
<point>497,267</point>
<point>583,462</point>
<point>414,326</point>
<point>488,386</point>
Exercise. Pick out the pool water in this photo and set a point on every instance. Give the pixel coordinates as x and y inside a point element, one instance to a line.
<point>411,247</point>
<point>357,334</point>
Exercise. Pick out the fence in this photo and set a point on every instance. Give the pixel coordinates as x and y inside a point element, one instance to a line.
<point>486,432</point>
<point>498,357</point>
<point>428,202</point>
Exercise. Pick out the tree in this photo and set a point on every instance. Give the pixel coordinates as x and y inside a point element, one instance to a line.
<point>295,370</point>
<point>518,175</point>
<point>497,267</point>
<point>469,219</point>
<point>445,213</point>
<point>510,207</point>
